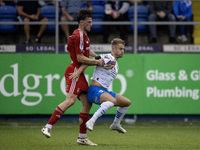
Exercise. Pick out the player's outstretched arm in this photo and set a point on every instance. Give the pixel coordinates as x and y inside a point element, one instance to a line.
<point>87,61</point>
<point>82,68</point>
<point>92,53</point>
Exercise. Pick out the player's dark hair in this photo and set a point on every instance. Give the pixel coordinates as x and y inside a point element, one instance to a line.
<point>83,14</point>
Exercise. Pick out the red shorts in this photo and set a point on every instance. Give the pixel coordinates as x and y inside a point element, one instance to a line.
<point>75,86</point>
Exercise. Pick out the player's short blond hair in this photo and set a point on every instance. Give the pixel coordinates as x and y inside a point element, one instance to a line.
<point>117,41</point>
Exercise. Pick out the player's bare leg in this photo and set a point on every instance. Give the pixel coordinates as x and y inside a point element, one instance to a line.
<point>123,104</point>
<point>107,101</point>
<point>58,112</point>
<point>83,118</point>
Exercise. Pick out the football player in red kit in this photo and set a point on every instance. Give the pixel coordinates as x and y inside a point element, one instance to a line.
<point>79,49</point>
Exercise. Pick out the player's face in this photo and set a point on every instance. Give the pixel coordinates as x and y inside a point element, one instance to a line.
<point>119,50</point>
<point>87,23</point>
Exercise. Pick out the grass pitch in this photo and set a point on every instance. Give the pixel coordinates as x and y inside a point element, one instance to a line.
<point>25,135</point>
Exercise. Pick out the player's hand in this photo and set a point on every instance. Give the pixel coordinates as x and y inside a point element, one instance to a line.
<point>74,75</point>
<point>101,62</point>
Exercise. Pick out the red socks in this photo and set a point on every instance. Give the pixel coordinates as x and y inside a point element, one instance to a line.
<point>85,118</point>
<point>57,114</point>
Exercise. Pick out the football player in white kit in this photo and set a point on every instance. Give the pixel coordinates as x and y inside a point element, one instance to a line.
<point>98,93</point>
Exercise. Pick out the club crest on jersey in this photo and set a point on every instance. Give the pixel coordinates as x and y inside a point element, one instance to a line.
<point>81,48</point>
<point>100,91</point>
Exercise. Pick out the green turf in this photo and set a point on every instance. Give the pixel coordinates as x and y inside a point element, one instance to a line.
<point>25,135</point>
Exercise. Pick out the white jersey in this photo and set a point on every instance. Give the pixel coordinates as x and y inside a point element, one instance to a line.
<point>105,76</point>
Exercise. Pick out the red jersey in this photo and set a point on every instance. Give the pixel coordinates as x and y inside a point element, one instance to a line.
<point>78,43</point>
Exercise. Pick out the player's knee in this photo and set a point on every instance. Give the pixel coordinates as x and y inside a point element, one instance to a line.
<point>72,103</point>
<point>87,105</point>
<point>128,103</point>
<point>70,100</point>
